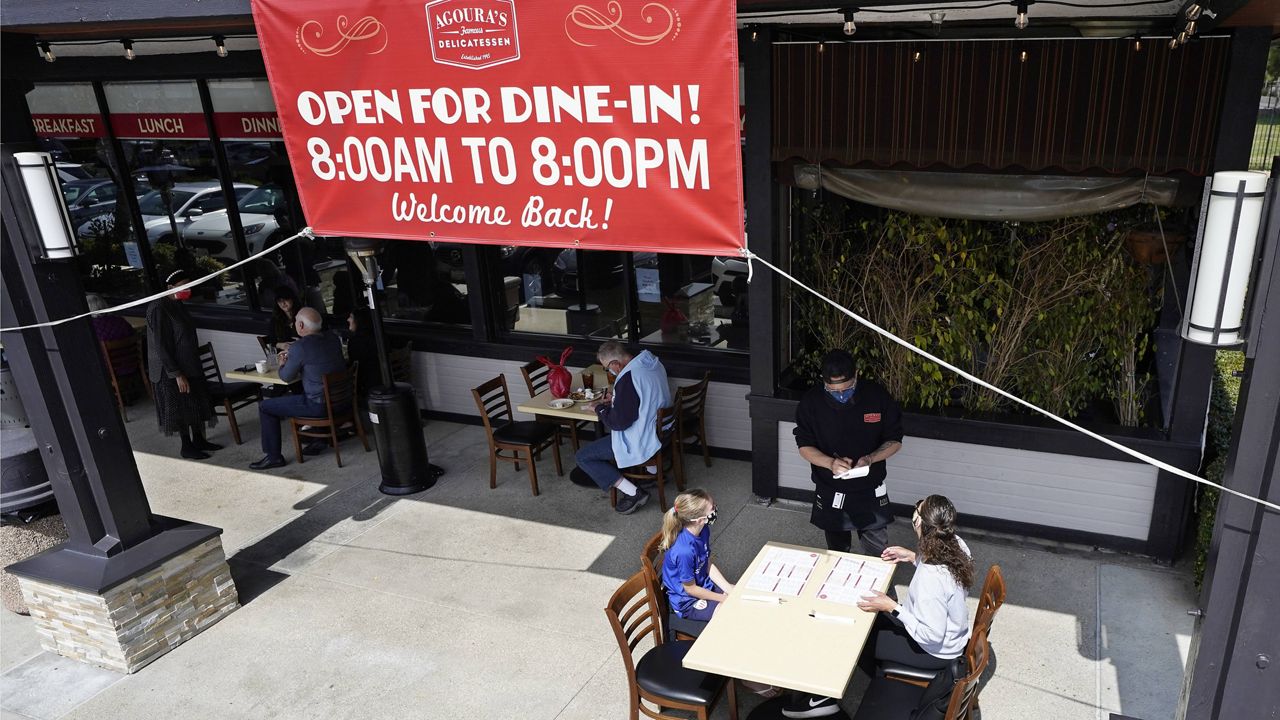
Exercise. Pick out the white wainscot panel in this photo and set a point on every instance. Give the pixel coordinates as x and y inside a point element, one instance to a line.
<point>1108,497</point>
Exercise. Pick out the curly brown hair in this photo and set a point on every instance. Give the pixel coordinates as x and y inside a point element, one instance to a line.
<point>938,542</point>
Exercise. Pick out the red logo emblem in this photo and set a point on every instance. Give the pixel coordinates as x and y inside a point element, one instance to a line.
<point>871,417</point>
<point>473,34</point>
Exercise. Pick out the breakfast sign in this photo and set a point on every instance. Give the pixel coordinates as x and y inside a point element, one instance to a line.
<point>595,124</point>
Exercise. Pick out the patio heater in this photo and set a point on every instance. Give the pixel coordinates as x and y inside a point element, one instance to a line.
<point>393,409</point>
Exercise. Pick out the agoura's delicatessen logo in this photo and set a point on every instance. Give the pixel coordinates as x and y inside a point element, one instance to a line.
<point>473,34</point>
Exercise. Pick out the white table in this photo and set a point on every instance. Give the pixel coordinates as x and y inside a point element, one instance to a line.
<point>780,644</point>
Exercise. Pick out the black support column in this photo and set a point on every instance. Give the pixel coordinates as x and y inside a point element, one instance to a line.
<point>113,534</point>
<point>756,50</point>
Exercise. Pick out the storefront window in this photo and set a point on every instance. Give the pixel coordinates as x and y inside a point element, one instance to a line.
<point>669,299</point>
<point>71,129</point>
<point>164,137</point>
<point>425,281</point>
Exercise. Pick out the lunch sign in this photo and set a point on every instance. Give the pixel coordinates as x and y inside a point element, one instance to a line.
<point>606,124</point>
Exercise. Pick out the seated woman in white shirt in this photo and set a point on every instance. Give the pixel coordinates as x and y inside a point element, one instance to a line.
<point>931,628</point>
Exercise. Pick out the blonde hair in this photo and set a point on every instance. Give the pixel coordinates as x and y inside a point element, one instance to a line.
<point>688,507</point>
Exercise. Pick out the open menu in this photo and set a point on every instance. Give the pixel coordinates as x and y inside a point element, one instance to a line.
<point>849,579</point>
<point>784,571</point>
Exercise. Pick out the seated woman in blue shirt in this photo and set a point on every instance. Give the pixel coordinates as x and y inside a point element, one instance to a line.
<point>695,586</point>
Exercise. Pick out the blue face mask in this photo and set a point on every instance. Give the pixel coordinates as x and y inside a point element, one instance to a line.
<point>841,396</point>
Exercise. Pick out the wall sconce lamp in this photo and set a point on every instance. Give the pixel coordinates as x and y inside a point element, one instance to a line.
<point>1021,21</point>
<point>1230,220</point>
<point>44,194</point>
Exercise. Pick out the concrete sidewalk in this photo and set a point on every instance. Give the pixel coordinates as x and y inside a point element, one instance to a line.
<point>466,602</point>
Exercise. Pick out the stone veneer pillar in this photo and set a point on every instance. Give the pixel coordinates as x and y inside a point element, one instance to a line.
<point>142,618</point>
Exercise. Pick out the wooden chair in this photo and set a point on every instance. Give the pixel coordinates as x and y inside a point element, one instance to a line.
<point>401,361</point>
<point>525,439</point>
<point>659,677</point>
<point>125,369</point>
<point>535,379</point>
<point>989,601</point>
<point>672,626</point>
<point>886,699</point>
<point>666,460</point>
<point>340,411</point>
<point>227,397</point>
<point>691,422</point>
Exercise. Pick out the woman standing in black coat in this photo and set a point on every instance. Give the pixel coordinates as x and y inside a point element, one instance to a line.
<point>173,361</point>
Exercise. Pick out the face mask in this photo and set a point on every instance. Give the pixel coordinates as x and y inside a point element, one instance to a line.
<point>841,396</point>
<point>711,517</point>
<point>183,294</point>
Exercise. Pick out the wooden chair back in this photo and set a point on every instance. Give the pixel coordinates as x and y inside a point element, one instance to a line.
<point>964,697</point>
<point>632,615</point>
<point>666,421</point>
<point>262,343</point>
<point>209,365</point>
<point>651,557</point>
<point>401,361</point>
<point>494,403</point>
<point>123,356</point>
<point>989,602</point>
<point>340,393</point>
<point>691,400</point>
<point>536,377</point>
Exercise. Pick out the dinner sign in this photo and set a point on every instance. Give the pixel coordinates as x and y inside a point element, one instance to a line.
<point>605,124</point>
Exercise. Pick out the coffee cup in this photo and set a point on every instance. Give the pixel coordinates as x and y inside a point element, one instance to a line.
<point>260,366</point>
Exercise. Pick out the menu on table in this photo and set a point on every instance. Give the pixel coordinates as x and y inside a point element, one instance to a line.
<point>784,571</point>
<point>850,578</point>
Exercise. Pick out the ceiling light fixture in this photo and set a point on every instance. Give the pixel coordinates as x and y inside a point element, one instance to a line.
<point>1137,44</point>
<point>1023,56</point>
<point>1193,11</point>
<point>47,52</point>
<point>128,49</point>
<point>849,26</point>
<point>221,42</point>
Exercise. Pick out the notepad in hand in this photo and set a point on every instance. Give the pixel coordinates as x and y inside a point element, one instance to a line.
<point>856,472</point>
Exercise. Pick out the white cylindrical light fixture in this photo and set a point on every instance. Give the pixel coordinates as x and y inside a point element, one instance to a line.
<point>1224,259</point>
<point>40,180</point>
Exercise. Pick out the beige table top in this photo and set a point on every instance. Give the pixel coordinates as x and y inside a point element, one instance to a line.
<point>780,644</point>
<point>540,404</point>
<point>270,377</point>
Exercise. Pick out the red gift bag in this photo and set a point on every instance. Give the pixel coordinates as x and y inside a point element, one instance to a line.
<point>559,377</point>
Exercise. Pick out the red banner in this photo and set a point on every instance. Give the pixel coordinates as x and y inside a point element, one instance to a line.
<point>599,124</point>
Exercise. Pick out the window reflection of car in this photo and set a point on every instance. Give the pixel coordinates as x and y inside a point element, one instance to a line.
<point>86,198</point>
<point>725,269</point>
<point>71,171</point>
<point>189,202</point>
<point>258,211</point>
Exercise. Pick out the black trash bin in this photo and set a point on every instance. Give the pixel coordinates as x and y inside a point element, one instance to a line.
<point>397,429</point>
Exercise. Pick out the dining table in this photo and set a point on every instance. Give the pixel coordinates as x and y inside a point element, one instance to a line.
<point>792,621</point>
<point>249,374</point>
<point>544,403</point>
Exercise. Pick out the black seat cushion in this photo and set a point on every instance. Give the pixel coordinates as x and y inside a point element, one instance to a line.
<point>232,390</point>
<point>887,699</point>
<point>692,628</point>
<point>660,672</point>
<point>524,433</point>
<point>915,673</point>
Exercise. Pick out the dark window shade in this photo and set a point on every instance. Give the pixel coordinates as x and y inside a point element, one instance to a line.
<point>1078,106</point>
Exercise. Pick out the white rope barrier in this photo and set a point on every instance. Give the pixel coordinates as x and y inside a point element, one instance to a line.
<point>750,256</point>
<point>306,232</point>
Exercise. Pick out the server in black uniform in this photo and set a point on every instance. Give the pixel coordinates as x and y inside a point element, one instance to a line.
<point>849,423</point>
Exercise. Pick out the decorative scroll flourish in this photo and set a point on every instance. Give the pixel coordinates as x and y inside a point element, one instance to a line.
<point>366,28</point>
<point>583,17</point>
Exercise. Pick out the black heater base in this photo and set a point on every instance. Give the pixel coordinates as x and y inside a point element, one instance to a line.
<point>402,450</point>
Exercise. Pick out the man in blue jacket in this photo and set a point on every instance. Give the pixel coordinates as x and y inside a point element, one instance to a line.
<point>631,414</point>
<point>314,354</point>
